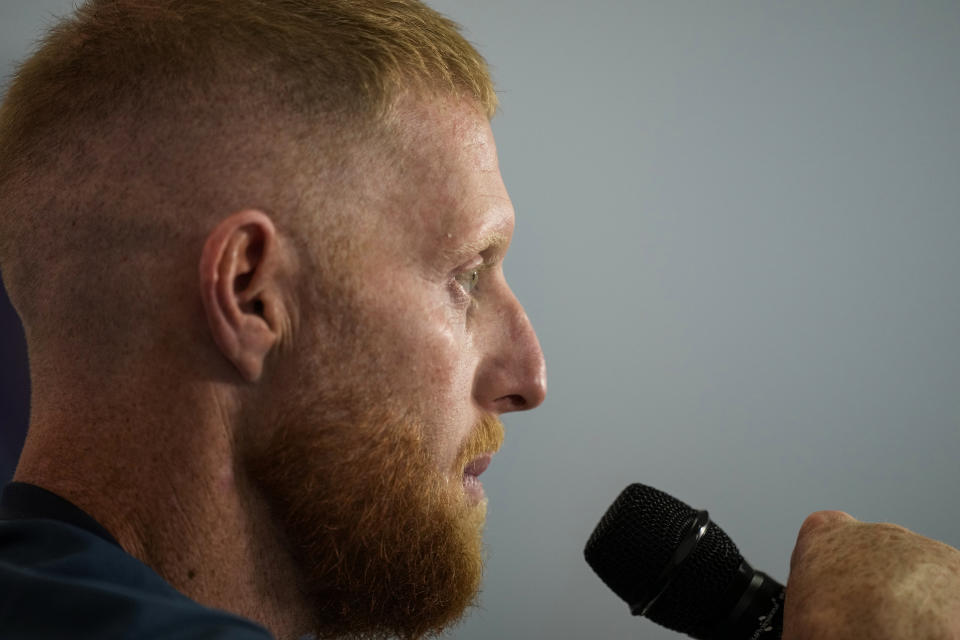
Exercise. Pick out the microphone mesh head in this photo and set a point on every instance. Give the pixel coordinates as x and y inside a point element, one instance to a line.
<point>634,542</point>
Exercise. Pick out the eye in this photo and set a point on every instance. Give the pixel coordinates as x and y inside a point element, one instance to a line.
<point>469,279</point>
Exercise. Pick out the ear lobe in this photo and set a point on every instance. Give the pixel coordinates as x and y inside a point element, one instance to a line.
<point>239,286</point>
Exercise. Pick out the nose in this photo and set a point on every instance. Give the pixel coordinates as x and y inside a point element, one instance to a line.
<point>512,374</point>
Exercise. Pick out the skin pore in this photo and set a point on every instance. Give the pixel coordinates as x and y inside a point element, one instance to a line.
<point>345,400</point>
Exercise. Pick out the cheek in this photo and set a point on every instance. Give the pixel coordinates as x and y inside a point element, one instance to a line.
<point>444,390</point>
<point>432,350</point>
<point>446,358</point>
<point>424,358</point>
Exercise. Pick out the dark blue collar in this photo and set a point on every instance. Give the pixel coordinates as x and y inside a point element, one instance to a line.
<point>24,501</point>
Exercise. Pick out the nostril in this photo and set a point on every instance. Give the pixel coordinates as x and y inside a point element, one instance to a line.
<point>516,401</point>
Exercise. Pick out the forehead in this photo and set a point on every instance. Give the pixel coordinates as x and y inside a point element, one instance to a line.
<point>447,186</point>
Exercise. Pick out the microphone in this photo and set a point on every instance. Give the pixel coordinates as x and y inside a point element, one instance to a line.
<point>671,564</point>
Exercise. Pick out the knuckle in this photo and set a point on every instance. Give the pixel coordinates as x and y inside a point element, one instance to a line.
<point>815,525</point>
<point>823,519</point>
<point>894,529</point>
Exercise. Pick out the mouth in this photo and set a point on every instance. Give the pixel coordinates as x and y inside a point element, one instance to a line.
<point>471,477</point>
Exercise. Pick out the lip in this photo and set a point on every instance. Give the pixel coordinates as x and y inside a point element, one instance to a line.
<point>478,465</point>
<point>471,481</point>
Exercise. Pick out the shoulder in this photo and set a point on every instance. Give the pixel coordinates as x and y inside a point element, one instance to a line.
<point>57,580</point>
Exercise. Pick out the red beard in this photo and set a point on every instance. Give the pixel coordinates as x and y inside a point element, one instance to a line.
<point>387,544</point>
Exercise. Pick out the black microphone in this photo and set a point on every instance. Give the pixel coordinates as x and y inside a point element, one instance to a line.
<point>675,567</point>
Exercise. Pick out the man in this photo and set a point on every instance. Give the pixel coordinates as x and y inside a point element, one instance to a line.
<point>256,247</point>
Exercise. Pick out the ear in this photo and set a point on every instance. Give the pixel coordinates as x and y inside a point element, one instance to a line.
<point>240,278</point>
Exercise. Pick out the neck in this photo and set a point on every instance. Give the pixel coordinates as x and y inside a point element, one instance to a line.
<point>176,500</point>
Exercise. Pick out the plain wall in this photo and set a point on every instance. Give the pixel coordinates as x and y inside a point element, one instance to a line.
<point>737,236</point>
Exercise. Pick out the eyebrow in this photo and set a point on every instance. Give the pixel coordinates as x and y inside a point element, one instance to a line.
<point>494,241</point>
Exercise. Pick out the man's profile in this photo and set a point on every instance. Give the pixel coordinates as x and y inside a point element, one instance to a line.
<point>256,248</point>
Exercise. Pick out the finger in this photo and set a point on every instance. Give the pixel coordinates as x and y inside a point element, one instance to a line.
<point>814,524</point>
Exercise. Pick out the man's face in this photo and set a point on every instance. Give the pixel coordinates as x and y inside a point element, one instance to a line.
<point>372,465</point>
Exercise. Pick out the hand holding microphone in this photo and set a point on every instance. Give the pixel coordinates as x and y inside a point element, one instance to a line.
<point>848,579</point>
<point>852,579</point>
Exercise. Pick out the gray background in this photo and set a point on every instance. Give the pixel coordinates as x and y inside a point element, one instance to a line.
<point>737,239</point>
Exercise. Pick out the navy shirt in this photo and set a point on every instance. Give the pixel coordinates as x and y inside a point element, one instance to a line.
<point>62,575</point>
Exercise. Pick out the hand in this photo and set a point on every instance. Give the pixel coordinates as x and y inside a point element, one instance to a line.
<point>851,579</point>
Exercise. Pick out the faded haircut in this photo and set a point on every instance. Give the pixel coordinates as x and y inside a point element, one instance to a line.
<point>131,112</point>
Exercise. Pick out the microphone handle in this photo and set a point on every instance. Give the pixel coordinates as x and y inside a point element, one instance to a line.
<point>758,614</point>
